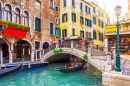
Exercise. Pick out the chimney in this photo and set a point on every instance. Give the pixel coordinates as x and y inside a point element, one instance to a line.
<point>128,9</point>
<point>103,6</point>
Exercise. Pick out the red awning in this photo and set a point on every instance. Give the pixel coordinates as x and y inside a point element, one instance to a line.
<point>16,33</point>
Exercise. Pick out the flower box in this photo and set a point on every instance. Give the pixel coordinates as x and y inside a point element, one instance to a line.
<point>25,29</point>
<point>1,23</point>
<point>14,27</point>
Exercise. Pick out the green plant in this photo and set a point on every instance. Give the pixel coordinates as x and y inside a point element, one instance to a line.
<point>85,57</point>
<point>57,51</point>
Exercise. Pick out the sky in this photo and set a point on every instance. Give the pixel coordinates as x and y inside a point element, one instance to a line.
<point>111,4</point>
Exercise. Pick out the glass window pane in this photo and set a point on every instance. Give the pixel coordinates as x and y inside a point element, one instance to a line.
<point>5,15</point>
<point>0,13</point>
<point>7,8</point>
<point>15,18</point>
<point>17,11</point>
<point>18,19</point>
<point>9,16</point>
<point>26,21</point>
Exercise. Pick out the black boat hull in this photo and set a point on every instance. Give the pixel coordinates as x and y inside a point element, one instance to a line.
<point>68,70</point>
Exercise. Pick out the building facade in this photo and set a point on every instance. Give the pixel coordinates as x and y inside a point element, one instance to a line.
<point>84,19</point>
<point>100,20</point>
<point>42,16</point>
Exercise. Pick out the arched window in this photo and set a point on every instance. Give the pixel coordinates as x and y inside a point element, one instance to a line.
<point>17,16</point>
<point>0,12</point>
<point>7,13</point>
<point>26,18</point>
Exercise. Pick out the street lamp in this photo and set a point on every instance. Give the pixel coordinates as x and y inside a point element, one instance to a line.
<point>117,13</point>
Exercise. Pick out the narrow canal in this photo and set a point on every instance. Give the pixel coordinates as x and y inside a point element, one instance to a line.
<point>48,76</point>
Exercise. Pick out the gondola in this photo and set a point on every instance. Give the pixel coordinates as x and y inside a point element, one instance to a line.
<point>9,70</point>
<point>68,70</point>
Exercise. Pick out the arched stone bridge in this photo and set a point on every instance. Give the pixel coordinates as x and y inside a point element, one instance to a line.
<point>71,51</point>
<point>98,57</point>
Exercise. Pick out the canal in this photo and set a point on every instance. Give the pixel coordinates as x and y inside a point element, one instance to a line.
<point>48,76</point>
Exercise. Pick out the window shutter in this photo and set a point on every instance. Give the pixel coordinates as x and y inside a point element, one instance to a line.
<point>90,23</point>
<point>62,33</point>
<point>59,32</point>
<point>75,17</point>
<point>103,24</point>
<point>39,25</point>
<point>51,28</point>
<point>95,36</point>
<point>55,31</point>
<point>36,24</point>
<point>66,17</point>
<point>85,21</point>
<point>95,20</point>
<point>82,20</point>
<point>72,16</point>
<point>62,17</point>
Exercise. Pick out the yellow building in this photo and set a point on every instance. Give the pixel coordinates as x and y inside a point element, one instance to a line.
<point>100,19</point>
<point>77,18</point>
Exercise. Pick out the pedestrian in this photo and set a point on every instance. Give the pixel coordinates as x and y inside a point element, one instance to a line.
<point>51,45</point>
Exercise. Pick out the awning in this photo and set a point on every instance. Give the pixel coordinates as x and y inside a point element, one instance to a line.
<point>16,33</point>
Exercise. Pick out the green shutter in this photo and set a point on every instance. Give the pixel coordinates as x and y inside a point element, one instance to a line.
<point>59,32</point>
<point>75,17</point>
<point>72,16</point>
<point>90,23</point>
<point>62,17</point>
<point>51,28</point>
<point>66,17</point>
<point>83,34</point>
<point>80,19</point>
<point>55,31</point>
<point>95,35</point>
<point>95,20</point>
<point>36,24</point>
<point>62,33</point>
<point>39,25</point>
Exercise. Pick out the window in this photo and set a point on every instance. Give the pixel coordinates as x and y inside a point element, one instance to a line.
<point>64,33</point>
<point>7,13</point>
<point>100,36</point>
<point>26,18</point>
<point>64,17</point>
<point>73,17</point>
<point>51,28</point>
<point>82,34</point>
<point>81,6</point>
<point>51,3</point>
<point>73,32</point>
<point>81,20</point>
<point>57,31</point>
<point>17,16</point>
<point>88,34</point>
<point>73,2</point>
<point>56,8</point>
<point>56,21</point>
<point>99,22</point>
<point>0,12</point>
<point>88,22</point>
<point>64,3</point>
<point>94,35</point>
<point>94,20</point>
<point>37,45</point>
<point>37,24</point>
<point>94,9</point>
<point>89,10</point>
<point>86,7</point>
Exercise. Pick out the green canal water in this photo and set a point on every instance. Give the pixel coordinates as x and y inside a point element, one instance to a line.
<point>48,76</point>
